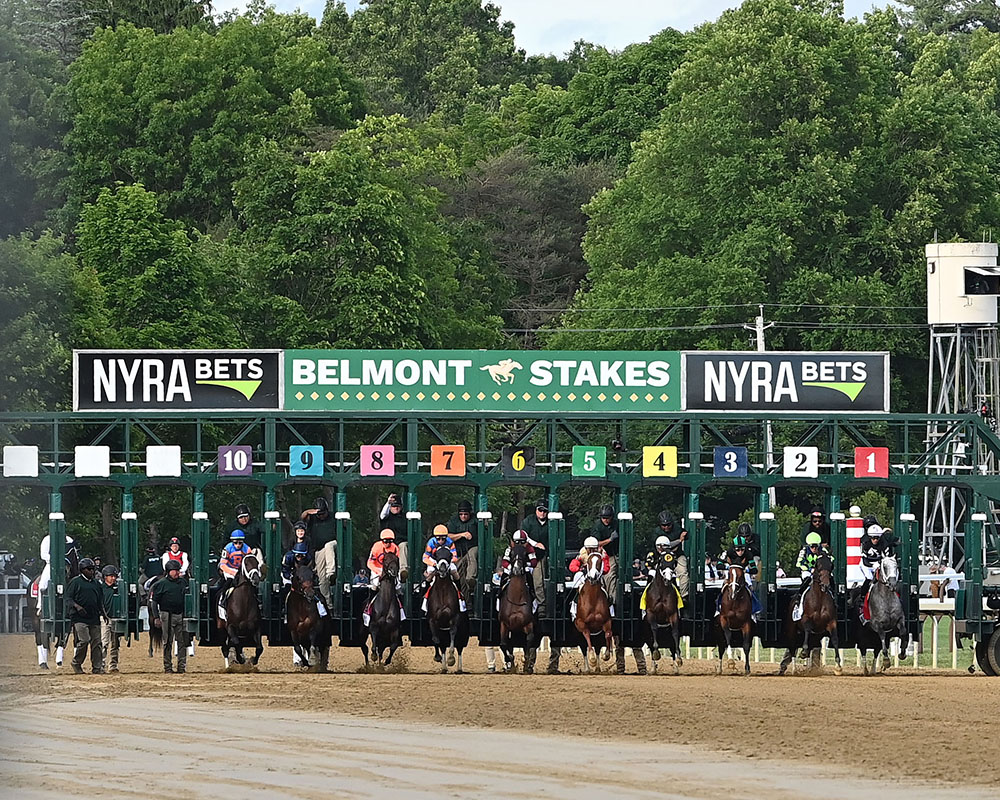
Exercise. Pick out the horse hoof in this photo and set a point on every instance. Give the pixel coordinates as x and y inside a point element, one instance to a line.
<point>437,657</point>
<point>718,669</point>
<point>607,655</point>
<point>654,654</point>
<point>731,664</point>
<point>838,671</point>
<point>592,658</point>
<point>679,662</point>
<point>451,659</point>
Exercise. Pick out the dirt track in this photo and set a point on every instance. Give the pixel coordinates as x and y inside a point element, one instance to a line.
<point>925,728</point>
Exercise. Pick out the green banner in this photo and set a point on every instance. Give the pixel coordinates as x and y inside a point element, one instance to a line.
<point>482,381</point>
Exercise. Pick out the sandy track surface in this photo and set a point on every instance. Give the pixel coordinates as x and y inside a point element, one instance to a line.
<point>924,734</point>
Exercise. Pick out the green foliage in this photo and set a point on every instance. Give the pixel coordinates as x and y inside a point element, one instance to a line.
<point>873,502</point>
<point>175,112</point>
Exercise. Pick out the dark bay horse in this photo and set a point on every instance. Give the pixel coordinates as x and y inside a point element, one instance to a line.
<point>444,614</point>
<point>384,621</point>
<point>517,613</point>
<point>242,622</point>
<point>818,621</point>
<point>735,614</point>
<point>593,614</point>
<point>310,632</point>
<point>44,640</point>
<point>662,619</point>
<point>887,618</point>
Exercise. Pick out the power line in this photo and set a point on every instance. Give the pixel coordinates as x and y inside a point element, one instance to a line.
<point>716,307</point>
<point>723,325</point>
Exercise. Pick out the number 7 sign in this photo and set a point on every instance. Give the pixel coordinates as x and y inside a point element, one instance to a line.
<point>448,459</point>
<point>871,462</point>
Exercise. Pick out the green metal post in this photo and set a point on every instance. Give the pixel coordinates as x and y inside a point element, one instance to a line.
<point>272,555</point>
<point>626,552</point>
<point>345,554</point>
<point>486,565</point>
<point>838,541</point>
<point>127,599</point>
<point>415,545</point>
<point>54,616</point>
<point>197,599</point>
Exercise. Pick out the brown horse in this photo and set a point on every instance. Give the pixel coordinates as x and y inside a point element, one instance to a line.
<point>819,620</point>
<point>44,640</point>
<point>736,614</point>
<point>517,612</point>
<point>593,613</point>
<point>661,615</point>
<point>444,614</point>
<point>384,618</point>
<point>242,622</point>
<point>310,631</point>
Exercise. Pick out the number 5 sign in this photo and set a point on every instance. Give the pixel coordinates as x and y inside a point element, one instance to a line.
<point>871,462</point>
<point>590,462</point>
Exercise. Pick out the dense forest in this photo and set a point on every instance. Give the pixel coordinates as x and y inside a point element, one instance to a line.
<point>405,176</point>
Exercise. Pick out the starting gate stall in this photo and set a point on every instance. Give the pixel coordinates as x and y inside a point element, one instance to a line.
<point>340,441</point>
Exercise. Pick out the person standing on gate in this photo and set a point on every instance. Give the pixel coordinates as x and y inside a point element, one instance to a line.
<point>86,603</point>
<point>462,529</point>
<point>817,524</point>
<point>109,638</point>
<point>323,538</point>
<point>168,602</point>
<point>393,518</point>
<point>252,528</point>
<point>537,528</point>
<point>174,553</point>
<point>605,530</point>
<point>43,552</point>
<point>667,526</point>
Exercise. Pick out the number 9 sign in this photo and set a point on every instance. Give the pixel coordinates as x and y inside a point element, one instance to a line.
<point>305,459</point>
<point>518,462</point>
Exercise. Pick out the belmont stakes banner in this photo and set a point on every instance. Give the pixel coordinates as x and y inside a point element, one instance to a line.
<point>479,382</point>
<point>482,381</point>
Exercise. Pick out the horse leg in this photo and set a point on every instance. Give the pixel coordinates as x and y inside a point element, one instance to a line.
<point>258,648</point>
<point>886,656</point>
<point>505,648</point>
<point>451,644</point>
<point>654,647</point>
<point>530,650</point>
<point>436,639</point>
<point>835,644</point>
<point>591,653</point>
<point>609,641</point>
<point>675,627</point>
<point>747,640</point>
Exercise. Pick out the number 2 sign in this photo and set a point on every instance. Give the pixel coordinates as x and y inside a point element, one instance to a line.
<point>871,462</point>
<point>378,459</point>
<point>800,462</point>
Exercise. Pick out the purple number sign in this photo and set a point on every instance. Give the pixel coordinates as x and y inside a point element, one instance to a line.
<point>236,460</point>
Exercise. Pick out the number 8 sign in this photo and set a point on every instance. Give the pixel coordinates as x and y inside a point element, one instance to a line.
<point>378,459</point>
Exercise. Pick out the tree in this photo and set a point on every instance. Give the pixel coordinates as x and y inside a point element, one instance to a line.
<point>161,290</point>
<point>953,16</point>
<point>175,112</point>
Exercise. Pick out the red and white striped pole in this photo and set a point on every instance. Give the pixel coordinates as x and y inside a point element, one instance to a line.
<point>855,527</point>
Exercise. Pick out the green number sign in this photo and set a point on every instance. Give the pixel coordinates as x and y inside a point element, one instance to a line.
<point>590,462</point>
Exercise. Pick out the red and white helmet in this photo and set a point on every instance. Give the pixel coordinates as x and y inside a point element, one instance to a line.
<point>520,536</point>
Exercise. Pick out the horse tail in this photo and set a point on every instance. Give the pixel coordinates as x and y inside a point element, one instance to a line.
<point>155,636</point>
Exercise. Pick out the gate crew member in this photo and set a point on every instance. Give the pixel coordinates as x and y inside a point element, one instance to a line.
<point>174,553</point>
<point>323,538</point>
<point>252,529</point>
<point>537,529</point>
<point>109,639</point>
<point>817,524</point>
<point>667,528</point>
<point>462,529</point>
<point>740,555</point>
<point>168,600</point>
<point>392,517</point>
<point>606,532</point>
<point>86,601</point>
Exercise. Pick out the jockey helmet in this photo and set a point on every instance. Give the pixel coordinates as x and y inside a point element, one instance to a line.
<point>300,549</point>
<point>171,564</point>
<point>744,530</point>
<point>321,505</point>
<point>300,526</point>
<point>465,507</point>
<point>874,531</point>
<point>237,535</point>
<point>110,569</point>
<point>814,540</point>
<point>87,563</point>
<point>816,512</point>
<point>665,518</point>
<point>542,505</point>
<point>176,541</point>
<point>870,520</point>
<point>591,543</point>
<point>520,536</point>
<point>740,542</point>
<point>607,512</point>
<point>387,535</point>
<point>441,531</point>
<point>242,510</point>
<point>662,543</point>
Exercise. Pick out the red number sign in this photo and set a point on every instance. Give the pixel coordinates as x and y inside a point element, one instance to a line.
<point>871,462</point>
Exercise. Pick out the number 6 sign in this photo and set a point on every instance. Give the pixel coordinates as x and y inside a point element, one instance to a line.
<point>871,462</point>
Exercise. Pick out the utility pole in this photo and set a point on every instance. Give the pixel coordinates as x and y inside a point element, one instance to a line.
<point>759,327</point>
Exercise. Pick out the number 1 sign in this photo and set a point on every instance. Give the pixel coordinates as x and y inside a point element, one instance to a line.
<point>871,462</point>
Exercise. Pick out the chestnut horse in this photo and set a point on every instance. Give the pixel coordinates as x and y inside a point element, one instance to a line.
<point>516,612</point>
<point>818,621</point>
<point>593,612</point>
<point>736,614</point>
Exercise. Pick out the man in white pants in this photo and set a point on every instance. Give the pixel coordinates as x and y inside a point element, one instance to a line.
<point>44,551</point>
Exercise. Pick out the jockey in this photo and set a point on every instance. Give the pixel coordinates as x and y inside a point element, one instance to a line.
<point>578,566</point>
<point>43,552</point>
<point>376,559</point>
<point>297,557</point>
<point>174,553</point>
<point>876,543</point>
<point>808,556</point>
<point>439,540</point>
<point>741,555</point>
<point>661,556</point>
<point>530,566</point>
<point>232,558</point>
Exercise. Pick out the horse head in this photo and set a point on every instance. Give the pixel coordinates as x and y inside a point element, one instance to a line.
<point>888,571</point>
<point>250,569</point>
<point>595,564</point>
<point>735,579</point>
<point>667,573</point>
<point>443,567</point>
<point>390,566</point>
<point>517,558</point>
<point>302,581</point>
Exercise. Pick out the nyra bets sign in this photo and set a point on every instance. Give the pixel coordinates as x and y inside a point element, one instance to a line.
<point>786,382</point>
<point>482,381</point>
<point>176,380</point>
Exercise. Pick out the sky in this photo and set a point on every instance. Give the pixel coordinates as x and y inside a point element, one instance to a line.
<point>552,26</point>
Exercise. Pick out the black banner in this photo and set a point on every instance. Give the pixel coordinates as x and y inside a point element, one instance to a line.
<point>786,382</point>
<point>181,380</point>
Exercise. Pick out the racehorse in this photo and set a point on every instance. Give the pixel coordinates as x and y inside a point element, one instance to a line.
<point>310,632</point>
<point>516,612</point>
<point>242,622</point>
<point>662,614</point>
<point>44,640</point>
<point>887,618</point>
<point>736,614</point>
<point>818,620</point>
<point>593,613</point>
<point>444,614</point>
<point>384,619</point>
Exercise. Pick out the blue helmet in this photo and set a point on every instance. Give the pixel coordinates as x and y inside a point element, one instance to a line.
<point>300,549</point>
<point>237,535</point>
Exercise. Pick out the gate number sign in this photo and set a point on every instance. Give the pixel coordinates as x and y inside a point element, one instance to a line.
<point>448,460</point>
<point>305,459</point>
<point>730,462</point>
<point>518,462</point>
<point>801,462</point>
<point>590,462</point>
<point>236,460</point>
<point>871,462</point>
<point>378,459</point>
<point>659,462</point>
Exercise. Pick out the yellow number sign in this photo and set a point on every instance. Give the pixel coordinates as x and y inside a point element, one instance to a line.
<point>659,462</point>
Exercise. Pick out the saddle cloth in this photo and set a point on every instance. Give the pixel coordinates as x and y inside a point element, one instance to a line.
<point>680,600</point>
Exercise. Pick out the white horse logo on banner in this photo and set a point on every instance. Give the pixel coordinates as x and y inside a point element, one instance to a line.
<point>503,372</point>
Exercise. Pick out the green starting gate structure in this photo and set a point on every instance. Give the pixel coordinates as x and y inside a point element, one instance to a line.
<point>913,455</point>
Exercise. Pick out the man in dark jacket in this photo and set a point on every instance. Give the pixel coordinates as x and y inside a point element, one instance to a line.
<point>393,518</point>
<point>817,524</point>
<point>109,638</point>
<point>605,530</point>
<point>252,528</point>
<point>168,602</point>
<point>86,604</point>
<point>462,529</point>
<point>537,528</point>
<point>323,540</point>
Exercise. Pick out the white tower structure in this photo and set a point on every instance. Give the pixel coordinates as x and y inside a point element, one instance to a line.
<point>963,285</point>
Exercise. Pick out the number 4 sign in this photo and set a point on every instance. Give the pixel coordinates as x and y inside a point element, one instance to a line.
<point>871,462</point>
<point>801,462</point>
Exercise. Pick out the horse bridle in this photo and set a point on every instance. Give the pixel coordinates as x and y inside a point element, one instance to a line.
<point>594,568</point>
<point>249,574</point>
